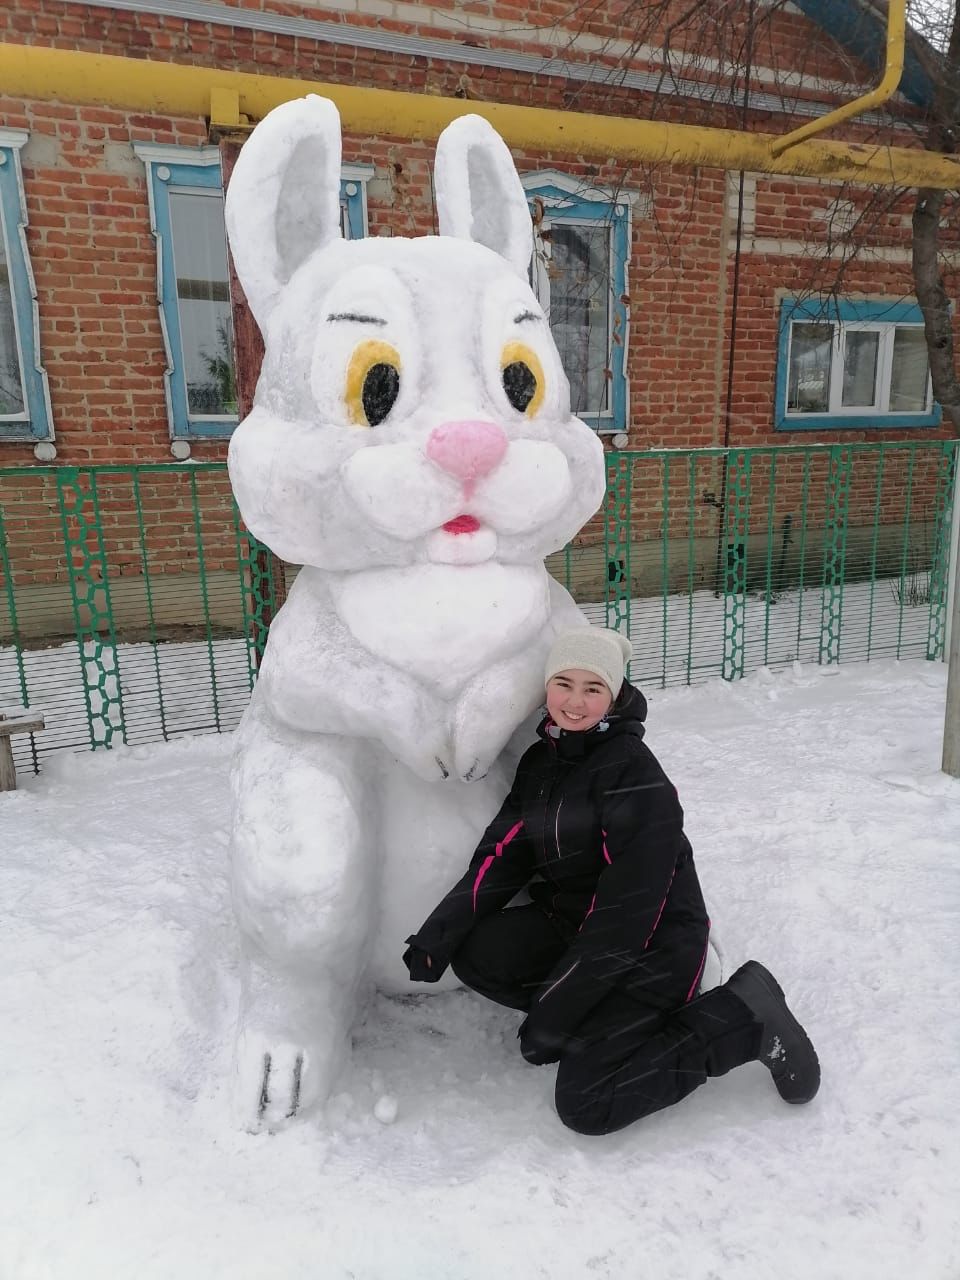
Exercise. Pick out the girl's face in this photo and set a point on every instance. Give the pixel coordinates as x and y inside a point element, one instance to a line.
<point>577,700</point>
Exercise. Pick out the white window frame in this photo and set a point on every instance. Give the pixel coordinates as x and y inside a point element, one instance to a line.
<point>887,336</point>
<point>871,316</point>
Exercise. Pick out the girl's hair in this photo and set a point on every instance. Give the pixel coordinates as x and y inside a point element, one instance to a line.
<point>620,699</point>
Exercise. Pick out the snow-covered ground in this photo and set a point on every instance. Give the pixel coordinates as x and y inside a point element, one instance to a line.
<point>828,842</point>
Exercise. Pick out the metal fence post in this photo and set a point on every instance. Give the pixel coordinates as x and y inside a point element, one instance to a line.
<point>616,530</point>
<point>836,500</point>
<point>951,721</point>
<point>736,532</point>
<point>92,607</point>
<point>7,568</point>
<point>940,562</point>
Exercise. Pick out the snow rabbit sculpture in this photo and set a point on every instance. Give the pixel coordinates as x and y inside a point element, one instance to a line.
<point>412,446</point>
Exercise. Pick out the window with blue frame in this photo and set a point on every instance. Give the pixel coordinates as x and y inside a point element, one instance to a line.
<point>193,286</point>
<point>858,364</point>
<point>24,395</point>
<point>579,273</point>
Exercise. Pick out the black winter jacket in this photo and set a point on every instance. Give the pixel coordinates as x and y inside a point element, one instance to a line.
<point>593,828</point>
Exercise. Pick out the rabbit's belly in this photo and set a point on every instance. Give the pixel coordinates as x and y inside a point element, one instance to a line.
<point>443,623</point>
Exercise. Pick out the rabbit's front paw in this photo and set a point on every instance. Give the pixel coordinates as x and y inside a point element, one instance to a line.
<point>491,707</point>
<point>473,770</point>
<point>476,752</point>
<point>430,768</point>
<point>429,756</point>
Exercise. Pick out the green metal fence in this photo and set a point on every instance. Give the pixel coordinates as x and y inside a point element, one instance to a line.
<point>134,606</point>
<point>722,561</point>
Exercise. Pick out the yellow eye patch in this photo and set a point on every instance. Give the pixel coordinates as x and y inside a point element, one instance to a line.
<point>522,375</point>
<point>373,382</point>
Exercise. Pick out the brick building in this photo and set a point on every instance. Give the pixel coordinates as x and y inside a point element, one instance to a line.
<point>108,206</point>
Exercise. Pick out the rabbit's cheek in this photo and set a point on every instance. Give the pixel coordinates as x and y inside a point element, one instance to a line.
<point>398,491</point>
<point>530,489</point>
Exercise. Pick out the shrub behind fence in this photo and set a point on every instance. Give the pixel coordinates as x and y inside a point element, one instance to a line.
<point>134,606</point>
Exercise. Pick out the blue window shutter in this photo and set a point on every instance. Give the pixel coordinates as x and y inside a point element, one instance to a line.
<point>565,199</point>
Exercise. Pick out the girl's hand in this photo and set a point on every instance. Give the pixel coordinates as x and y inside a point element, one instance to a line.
<point>420,964</point>
<point>540,1047</point>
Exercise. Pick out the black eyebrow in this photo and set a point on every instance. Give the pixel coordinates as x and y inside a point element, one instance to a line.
<point>355,317</point>
<point>525,315</point>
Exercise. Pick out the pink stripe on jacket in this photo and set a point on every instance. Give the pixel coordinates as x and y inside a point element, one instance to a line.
<point>489,859</point>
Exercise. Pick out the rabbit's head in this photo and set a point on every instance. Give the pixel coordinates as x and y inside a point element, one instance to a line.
<point>412,406</point>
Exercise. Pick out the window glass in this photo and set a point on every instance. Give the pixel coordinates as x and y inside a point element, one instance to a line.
<point>851,363</point>
<point>909,370</point>
<point>12,401</point>
<point>186,218</point>
<point>809,383</point>
<point>580,310</point>
<point>203,301</point>
<point>860,364</point>
<point>580,274</point>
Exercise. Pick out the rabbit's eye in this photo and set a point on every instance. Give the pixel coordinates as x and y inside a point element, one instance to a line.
<point>522,375</point>
<point>373,382</point>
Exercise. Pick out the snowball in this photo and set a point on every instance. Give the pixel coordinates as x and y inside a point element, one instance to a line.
<point>385,1109</point>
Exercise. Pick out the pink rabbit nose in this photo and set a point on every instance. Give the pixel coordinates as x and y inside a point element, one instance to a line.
<point>467,450</point>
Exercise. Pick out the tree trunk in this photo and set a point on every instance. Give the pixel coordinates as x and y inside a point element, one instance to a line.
<point>934,303</point>
<point>928,279</point>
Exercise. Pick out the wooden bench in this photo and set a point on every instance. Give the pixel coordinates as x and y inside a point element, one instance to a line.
<point>30,722</point>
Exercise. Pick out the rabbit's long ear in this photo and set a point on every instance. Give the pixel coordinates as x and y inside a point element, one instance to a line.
<point>283,200</point>
<point>479,195</point>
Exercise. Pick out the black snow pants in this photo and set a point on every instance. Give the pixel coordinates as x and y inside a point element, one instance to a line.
<point>643,1047</point>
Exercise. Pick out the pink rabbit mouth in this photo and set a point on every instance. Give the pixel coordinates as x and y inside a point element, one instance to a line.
<point>462,524</point>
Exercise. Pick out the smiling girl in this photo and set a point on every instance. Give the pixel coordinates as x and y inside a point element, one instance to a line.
<point>607,955</point>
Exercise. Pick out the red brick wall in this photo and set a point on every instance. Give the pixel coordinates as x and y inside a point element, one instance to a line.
<point>793,212</point>
<point>94,260</point>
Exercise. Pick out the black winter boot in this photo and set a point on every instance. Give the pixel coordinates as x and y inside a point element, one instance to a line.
<point>785,1047</point>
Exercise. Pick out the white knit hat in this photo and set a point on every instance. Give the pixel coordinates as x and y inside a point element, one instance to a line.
<point>595,649</point>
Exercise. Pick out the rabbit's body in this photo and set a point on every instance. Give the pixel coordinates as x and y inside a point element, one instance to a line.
<point>412,446</point>
<point>339,635</point>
